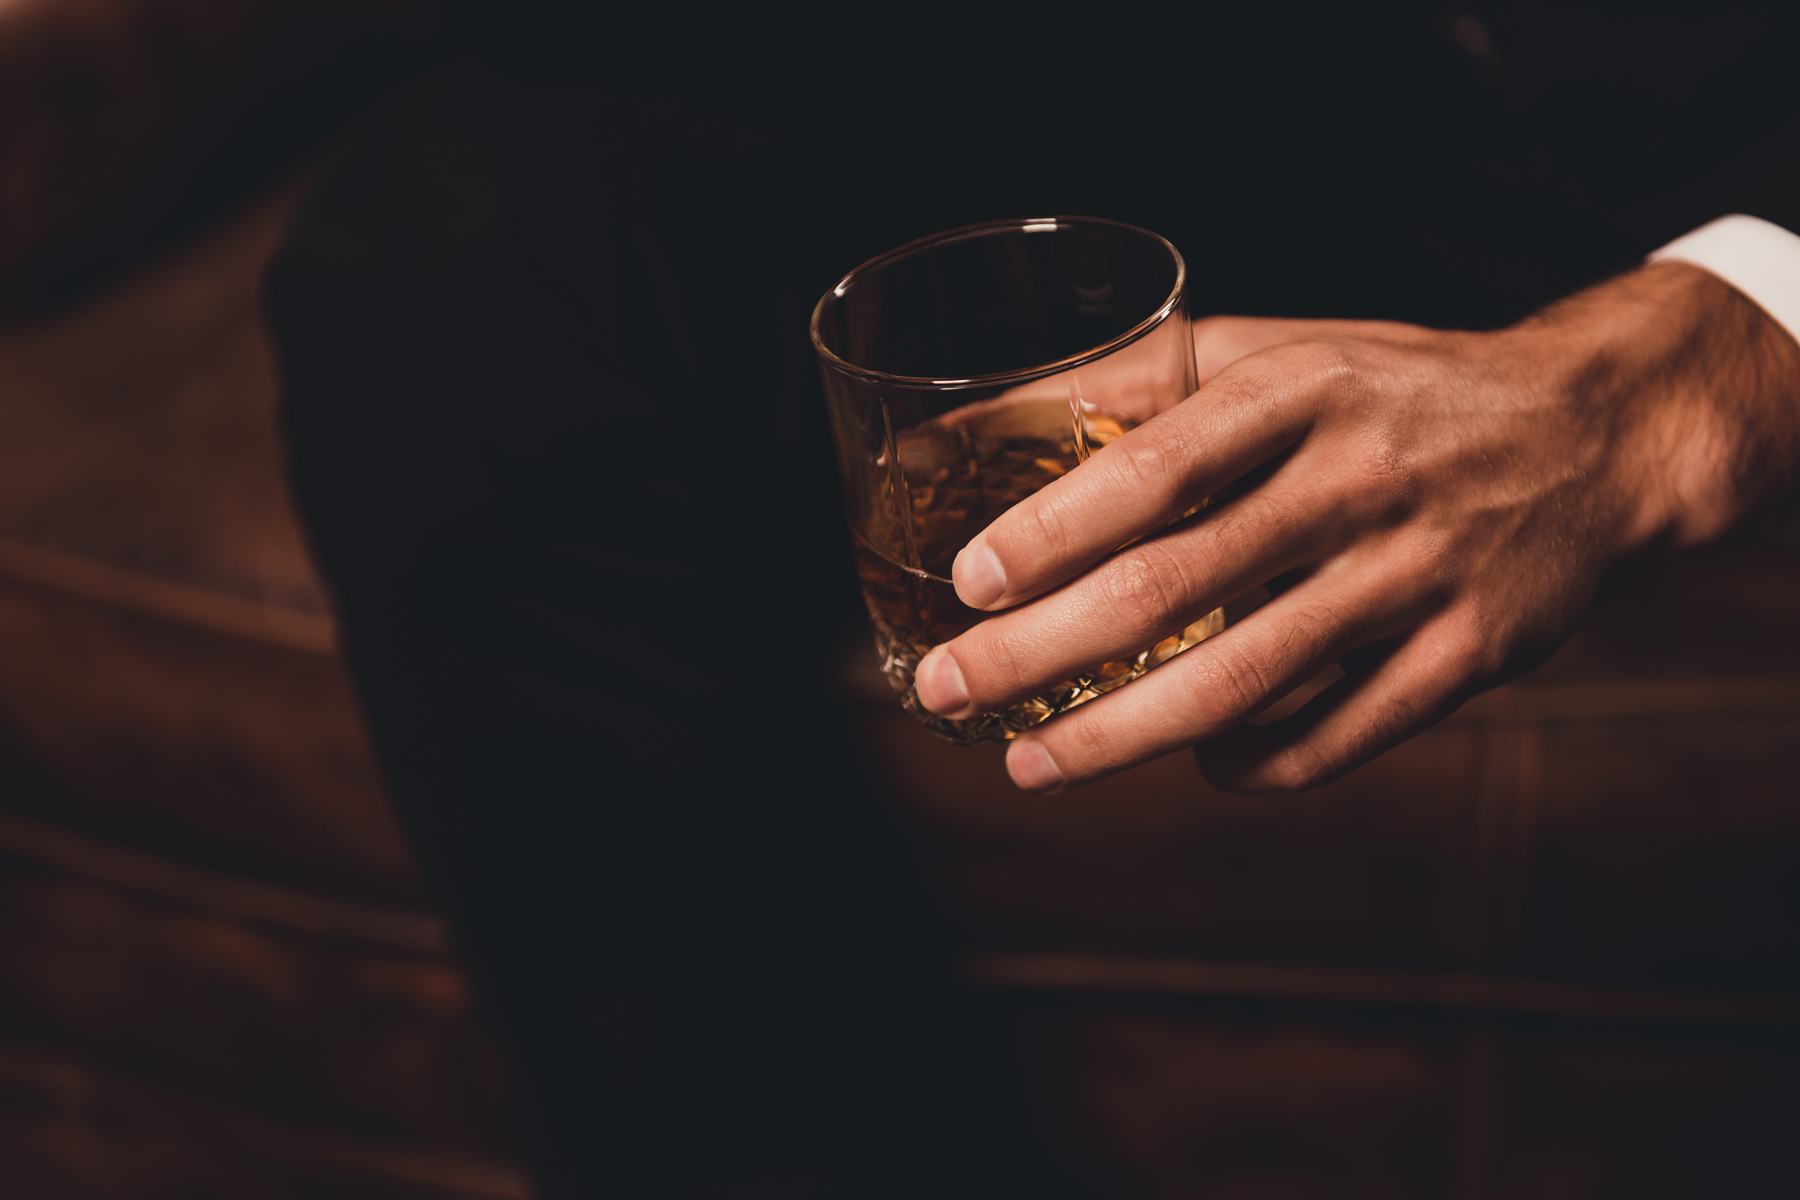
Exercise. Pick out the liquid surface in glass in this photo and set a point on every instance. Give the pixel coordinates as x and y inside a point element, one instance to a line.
<point>956,475</point>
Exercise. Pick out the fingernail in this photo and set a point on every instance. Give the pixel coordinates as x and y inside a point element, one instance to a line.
<point>979,577</point>
<point>1032,768</point>
<point>938,682</point>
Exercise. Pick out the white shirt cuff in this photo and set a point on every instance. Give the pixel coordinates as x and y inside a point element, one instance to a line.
<point>1757,257</point>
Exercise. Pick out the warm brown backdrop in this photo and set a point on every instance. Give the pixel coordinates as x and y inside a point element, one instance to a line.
<point>1547,949</point>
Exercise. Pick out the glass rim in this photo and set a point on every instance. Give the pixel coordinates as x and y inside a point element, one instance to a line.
<point>1023,374</point>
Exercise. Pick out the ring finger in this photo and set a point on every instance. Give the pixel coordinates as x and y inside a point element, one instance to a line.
<point>1219,684</point>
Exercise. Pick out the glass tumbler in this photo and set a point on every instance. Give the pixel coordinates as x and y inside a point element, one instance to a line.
<point>965,371</point>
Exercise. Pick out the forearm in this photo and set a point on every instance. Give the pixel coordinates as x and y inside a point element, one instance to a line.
<point>1698,390</point>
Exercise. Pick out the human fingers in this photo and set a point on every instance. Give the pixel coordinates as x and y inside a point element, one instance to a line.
<point>1221,341</point>
<point>1374,708</point>
<point>1219,684</point>
<point>1141,594</point>
<point>1137,484</point>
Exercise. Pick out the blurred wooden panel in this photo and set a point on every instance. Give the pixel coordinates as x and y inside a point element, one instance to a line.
<point>278,1033</point>
<point>368,1036</point>
<point>1729,611</point>
<point>1601,819</point>
<point>1155,862</point>
<point>1283,1106</point>
<point>1546,949</point>
<point>157,877</point>
<point>1364,987</point>
<point>1667,852</point>
<point>72,1130</point>
<point>168,678</point>
<point>223,751</point>
<point>1299,1102</point>
<point>218,972</point>
<point>1586,1112</point>
<point>139,431</point>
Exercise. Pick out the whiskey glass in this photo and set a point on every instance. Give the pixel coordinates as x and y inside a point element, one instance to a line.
<point>965,371</point>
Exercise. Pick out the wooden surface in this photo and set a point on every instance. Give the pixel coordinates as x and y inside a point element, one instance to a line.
<point>219,973</point>
<point>1547,949</point>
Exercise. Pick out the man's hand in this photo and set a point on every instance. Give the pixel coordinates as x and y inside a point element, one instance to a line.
<point>1434,511</point>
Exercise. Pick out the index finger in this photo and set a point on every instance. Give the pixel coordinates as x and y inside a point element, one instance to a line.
<point>1138,483</point>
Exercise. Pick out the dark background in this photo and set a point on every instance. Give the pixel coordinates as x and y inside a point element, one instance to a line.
<point>721,899</point>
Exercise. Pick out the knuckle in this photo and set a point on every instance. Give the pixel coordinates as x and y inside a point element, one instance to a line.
<point>1399,712</point>
<point>1264,518</point>
<point>1144,587</point>
<point>1380,460</point>
<point>1325,364</point>
<point>1430,563</point>
<point>1239,386</point>
<point>1142,463</point>
<point>1042,528</point>
<point>1299,766</point>
<point>1092,744</point>
<point>1475,654</point>
<point>1384,471</point>
<point>1234,686</point>
<point>1318,624</point>
<point>995,661</point>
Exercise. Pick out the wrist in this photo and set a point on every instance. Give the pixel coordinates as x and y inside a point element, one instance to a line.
<point>1689,394</point>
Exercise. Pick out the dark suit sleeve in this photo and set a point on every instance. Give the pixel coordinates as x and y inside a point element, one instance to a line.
<point>1777,197</point>
<point>583,531</point>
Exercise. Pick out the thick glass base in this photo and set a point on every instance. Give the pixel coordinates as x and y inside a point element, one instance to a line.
<point>900,656</point>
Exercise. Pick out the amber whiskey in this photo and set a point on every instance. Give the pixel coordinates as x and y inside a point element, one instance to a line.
<point>948,480</point>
